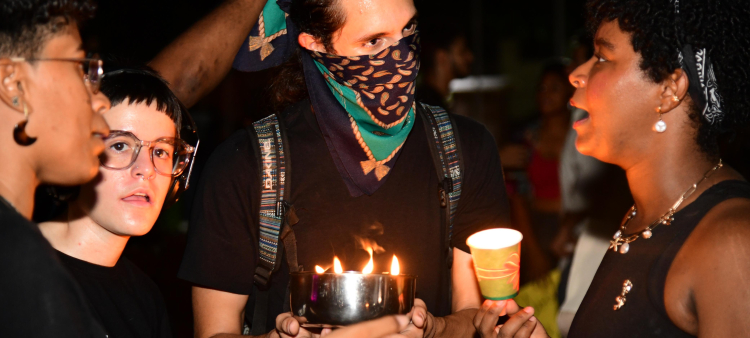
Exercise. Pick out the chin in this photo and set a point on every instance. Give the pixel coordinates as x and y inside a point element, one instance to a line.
<point>135,230</point>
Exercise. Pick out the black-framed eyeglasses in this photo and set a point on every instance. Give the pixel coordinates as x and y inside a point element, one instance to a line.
<point>170,156</point>
<point>92,69</point>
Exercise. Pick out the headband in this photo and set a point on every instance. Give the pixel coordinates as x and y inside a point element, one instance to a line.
<point>697,65</point>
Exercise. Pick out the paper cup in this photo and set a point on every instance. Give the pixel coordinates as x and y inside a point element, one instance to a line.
<point>497,262</point>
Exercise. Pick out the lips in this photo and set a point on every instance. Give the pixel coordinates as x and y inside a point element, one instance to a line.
<point>138,198</point>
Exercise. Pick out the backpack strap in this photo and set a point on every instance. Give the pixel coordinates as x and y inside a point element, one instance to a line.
<point>446,155</point>
<point>276,215</point>
<point>272,186</point>
<point>448,162</point>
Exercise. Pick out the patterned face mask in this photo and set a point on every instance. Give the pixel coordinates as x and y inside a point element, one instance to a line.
<point>382,84</point>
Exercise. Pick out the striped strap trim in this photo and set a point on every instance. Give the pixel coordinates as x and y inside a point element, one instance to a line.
<point>445,142</point>
<point>272,188</point>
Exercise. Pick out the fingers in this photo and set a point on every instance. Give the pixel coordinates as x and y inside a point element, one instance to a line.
<point>512,307</point>
<point>521,324</point>
<point>287,325</point>
<point>419,313</point>
<point>486,318</point>
<point>373,329</point>
<point>324,332</point>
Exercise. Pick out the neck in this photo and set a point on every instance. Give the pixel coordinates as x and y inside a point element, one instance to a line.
<point>657,182</point>
<point>79,236</point>
<point>18,181</point>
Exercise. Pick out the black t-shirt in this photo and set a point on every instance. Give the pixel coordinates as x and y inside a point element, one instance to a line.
<point>122,298</point>
<point>223,234</point>
<point>38,297</point>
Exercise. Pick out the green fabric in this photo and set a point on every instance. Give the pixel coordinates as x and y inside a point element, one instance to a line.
<point>542,296</point>
<point>274,18</point>
<point>381,145</point>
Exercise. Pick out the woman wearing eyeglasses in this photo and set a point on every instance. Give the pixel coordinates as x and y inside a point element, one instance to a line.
<point>51,131</point>
<point>144,155</point>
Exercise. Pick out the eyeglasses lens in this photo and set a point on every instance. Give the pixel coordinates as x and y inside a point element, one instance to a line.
<point>94,71</point>
<point>119,151</point>
<point>168,157</point>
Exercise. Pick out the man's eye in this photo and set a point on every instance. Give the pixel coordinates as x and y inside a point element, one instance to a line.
<point>599,58</point>
<point>372,43</point>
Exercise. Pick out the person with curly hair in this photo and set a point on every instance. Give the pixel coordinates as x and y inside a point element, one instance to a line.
<point>52,129</point>
<point>667,91</point>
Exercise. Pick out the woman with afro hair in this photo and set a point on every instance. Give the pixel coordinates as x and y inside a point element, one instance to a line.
<point>667,94</point>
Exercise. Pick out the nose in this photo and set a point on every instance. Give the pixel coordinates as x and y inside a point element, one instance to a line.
<point>143,168</point>
<point>100,104</point>
<point>579,77</point>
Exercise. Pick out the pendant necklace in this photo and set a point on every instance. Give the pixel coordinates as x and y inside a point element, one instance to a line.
<point>622,244</point>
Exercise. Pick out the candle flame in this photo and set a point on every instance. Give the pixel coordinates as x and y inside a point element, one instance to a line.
<point>370,265</point>
<point>337,265</point>
<point>318,269</point>
<point>395,268</point>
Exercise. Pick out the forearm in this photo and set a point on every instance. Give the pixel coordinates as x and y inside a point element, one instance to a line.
<point>198,60</point>
<point>458,324</point>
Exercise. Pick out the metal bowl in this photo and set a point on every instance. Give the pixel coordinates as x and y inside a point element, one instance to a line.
<point>331,300</point>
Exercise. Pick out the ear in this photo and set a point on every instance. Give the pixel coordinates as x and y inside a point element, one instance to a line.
<point>674,91</point>
<point>310,42</point>
<point>10,84</point>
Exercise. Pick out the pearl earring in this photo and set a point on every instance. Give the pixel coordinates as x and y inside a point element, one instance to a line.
<point>675,98</point>
<point>660,125</point>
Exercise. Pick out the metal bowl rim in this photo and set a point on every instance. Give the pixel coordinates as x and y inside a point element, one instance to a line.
<point>349,273</point>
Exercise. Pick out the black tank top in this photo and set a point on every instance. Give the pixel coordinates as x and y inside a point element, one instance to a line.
<point>646,266</point>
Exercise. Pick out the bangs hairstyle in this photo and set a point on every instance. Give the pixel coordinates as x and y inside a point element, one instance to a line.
<point>26,25</point>
<point>136,86</point>
<point>722,27</point>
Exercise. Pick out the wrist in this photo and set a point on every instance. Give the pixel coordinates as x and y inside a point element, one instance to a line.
<point>434,326</point>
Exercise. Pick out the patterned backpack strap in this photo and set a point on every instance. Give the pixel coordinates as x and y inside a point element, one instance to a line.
<point>273,181</point>
<point>447,151</point>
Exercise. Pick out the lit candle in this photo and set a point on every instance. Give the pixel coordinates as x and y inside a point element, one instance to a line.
<point>395,268</point>
<point>337,265</point>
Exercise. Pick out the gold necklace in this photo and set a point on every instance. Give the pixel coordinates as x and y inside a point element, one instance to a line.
<point>622,244</point>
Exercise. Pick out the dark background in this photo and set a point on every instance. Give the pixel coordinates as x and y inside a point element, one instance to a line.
<point>509,38</point>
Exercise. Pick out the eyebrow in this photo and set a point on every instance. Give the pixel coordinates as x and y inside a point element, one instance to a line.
<point>381,34</point>
<point>602,42</point>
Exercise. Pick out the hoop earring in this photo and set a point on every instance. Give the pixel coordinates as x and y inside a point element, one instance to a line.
<point>660,125</point>
<point>19,131</point>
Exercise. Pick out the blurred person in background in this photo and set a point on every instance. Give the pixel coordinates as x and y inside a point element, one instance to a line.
<point>535,189</point>
<point>144,155</point>
<point>51,131</point>
<point>445,56</point>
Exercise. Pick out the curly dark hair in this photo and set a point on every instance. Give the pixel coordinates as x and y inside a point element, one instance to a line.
<point>319,18</point>
<point>25,25</point>
<point>720,26</point>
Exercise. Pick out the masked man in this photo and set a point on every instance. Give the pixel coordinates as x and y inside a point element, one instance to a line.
<point>362,169</point>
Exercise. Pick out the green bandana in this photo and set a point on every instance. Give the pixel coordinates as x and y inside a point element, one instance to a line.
<point>382,142</point>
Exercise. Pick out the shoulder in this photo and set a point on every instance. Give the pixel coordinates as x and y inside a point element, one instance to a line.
<point>20,239</point>
<point>716,255</point>
<point>471,133</point>
<point>725,229</point>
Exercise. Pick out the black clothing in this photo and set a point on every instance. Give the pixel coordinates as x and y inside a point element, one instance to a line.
<point>646,265</point>
<point>38,297</point>
<point>122,298</point>
<point>404,214</point>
